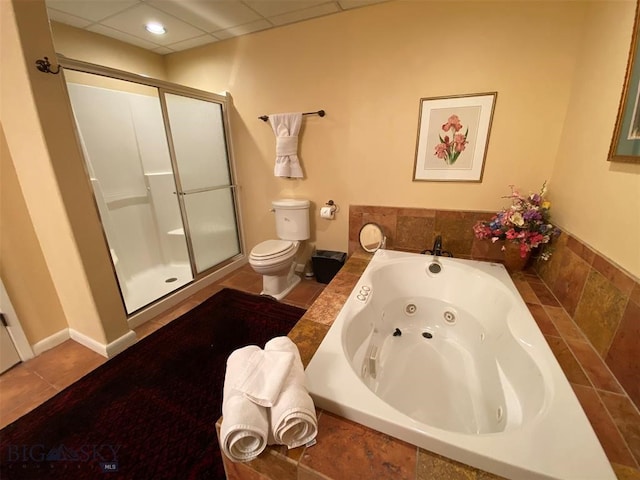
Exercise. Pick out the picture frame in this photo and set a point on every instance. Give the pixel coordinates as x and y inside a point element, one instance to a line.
<point>625,144</point>
<point>453,137</point>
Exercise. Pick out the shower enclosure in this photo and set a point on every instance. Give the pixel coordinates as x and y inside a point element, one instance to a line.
<point>158,159</point>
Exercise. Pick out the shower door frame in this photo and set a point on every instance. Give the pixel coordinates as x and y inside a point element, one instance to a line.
<point>163,87</point>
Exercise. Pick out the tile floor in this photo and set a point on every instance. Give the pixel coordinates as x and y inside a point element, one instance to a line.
<point>31,383</point>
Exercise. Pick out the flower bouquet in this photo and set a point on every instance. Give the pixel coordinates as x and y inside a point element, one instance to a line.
<point>527,222</point>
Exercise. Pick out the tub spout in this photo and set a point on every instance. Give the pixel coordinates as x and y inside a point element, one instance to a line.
<point>437,250</point>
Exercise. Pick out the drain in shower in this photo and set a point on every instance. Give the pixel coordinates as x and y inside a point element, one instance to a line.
<point>170,280</point>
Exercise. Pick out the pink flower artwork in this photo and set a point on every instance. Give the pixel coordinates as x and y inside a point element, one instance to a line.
<point>450,149</point>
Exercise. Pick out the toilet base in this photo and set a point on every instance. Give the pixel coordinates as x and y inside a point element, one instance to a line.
<point>279,286</point>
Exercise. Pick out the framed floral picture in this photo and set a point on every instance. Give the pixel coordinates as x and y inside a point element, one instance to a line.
<point>453,136</point>
<point>625,144</point>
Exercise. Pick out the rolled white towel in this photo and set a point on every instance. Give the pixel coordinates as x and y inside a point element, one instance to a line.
<point>292,418</point>
<point>264,375</point>
<point>245,425</point>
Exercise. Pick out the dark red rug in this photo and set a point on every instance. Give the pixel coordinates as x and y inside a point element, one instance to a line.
<point>150,412</point>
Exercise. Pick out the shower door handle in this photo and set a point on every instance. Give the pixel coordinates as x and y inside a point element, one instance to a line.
<point>204,189</point>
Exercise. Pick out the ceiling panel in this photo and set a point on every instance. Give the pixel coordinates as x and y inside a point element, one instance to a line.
<point>134,19</point>
<point>189,23</point>
<point>192,43</point>
<point>306,14</point>
<point>270,8</point>
<point>122,36</point>
<point>207,15</point>
<point>94,10</point>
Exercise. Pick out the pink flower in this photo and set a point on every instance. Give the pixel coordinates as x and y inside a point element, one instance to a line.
<point>441,150</point>
<point>460,141</point>
<point>452,122</point>
<point>512,234</point>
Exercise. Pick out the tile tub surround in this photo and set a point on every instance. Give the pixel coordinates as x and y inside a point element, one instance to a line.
<point>345,449</point>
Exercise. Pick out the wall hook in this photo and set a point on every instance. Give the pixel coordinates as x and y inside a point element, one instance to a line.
<point>45,66</point>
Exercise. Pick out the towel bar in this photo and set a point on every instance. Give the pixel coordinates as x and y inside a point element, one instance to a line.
<point>320,113</point>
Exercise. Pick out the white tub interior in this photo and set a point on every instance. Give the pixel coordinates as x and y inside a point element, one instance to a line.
<point>454,363</point>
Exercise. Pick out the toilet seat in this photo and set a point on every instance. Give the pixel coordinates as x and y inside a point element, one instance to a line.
<point>272,249</point>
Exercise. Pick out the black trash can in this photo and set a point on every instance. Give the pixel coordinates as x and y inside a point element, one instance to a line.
<point>326,264</point>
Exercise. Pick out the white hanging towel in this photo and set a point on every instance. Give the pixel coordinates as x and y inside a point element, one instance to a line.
<point>264,375</point>
<point>286,127</point>
<point>245,425</point>
<point>292,419</point>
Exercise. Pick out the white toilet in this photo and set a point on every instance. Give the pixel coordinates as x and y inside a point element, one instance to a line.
<point>275,259</point>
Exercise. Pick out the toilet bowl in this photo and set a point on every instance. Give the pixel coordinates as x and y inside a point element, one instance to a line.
<point>275,260</point>
<point>272,257</point>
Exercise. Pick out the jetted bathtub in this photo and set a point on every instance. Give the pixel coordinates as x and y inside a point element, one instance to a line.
<point>444,354</point>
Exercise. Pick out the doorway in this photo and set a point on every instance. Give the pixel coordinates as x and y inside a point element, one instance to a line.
<point>159,162</point>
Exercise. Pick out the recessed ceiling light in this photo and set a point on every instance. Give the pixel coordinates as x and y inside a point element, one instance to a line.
<point>156,28</point>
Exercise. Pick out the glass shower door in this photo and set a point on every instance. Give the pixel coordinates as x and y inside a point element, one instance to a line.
<point>122,133</point>
<point>204,179</point>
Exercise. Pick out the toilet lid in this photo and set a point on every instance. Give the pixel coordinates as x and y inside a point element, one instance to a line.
<point>272,248</point>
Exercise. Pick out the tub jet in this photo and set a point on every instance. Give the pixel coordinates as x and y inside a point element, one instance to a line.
<point>450,317</point>
<point>427,334</point>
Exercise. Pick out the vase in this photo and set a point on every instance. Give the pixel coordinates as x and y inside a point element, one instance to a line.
<point>513,261</point>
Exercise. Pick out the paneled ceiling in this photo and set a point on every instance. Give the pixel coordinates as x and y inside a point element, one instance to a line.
<point>189,23</point>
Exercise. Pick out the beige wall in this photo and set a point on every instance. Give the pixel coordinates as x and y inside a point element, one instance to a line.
<point>369,67</point>
<point>37,122</point>
<point>595,200</point>
<point>22,264</point>
<point>93,48</point>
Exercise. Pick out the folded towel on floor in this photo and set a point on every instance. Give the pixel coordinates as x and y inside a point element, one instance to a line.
<point>245,425</point>
<point>292,419</point>
<point>264,375</point>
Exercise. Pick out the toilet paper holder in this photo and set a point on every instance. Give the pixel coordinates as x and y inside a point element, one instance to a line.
<point>329,210</point>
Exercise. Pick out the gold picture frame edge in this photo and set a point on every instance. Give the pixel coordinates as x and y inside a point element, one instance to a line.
<point>611,156</point>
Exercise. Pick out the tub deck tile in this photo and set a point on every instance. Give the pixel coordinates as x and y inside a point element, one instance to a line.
<point>343,444</point>
<point>307,335</point>
<point>594,366</point>
<point>570,366</point>
<point>627,419</point>
<point>610,438</point>
<point>432,466</point>
<point>563,322</point>
<point>545,324</point>
<point>625,473</point>
<point>544,294</point>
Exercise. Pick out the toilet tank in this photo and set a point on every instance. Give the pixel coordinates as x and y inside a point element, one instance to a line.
<point>292,218</point>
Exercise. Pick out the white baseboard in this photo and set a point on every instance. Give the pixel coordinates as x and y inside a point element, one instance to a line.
<point>50,342</point>
<point>110,350</point>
